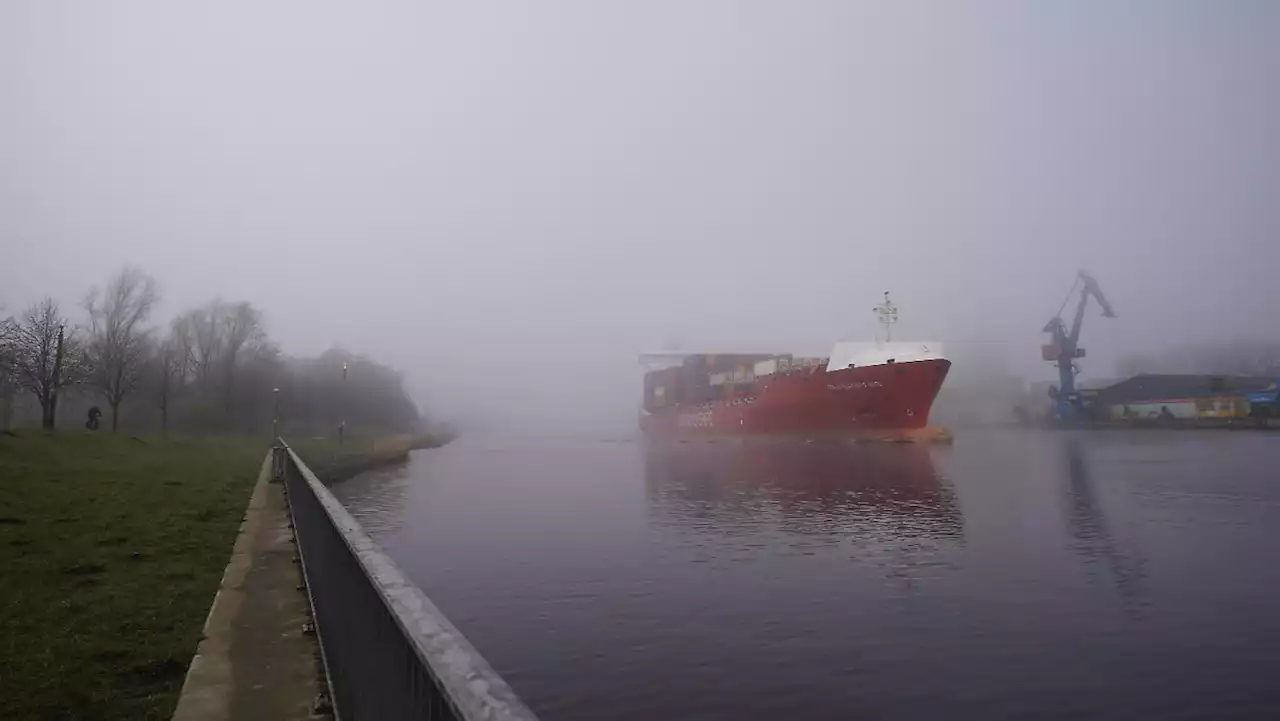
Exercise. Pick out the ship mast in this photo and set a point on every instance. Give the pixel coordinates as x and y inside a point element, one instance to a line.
<point>888,313</point>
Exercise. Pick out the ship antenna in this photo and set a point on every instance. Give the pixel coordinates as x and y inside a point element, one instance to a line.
<point>888,313</point>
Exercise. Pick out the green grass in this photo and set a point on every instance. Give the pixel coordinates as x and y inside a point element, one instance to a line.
<point>111,550</point>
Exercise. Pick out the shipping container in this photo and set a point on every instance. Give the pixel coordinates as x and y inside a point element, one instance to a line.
<point>695,361</point>
<point>670,380</point>
<point>766,367</point>
<point>728,362</point>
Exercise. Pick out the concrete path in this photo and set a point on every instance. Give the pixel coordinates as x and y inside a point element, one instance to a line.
<point>255,662</point>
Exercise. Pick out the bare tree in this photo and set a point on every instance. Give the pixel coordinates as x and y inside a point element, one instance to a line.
<point>200,334</point>
<point>217,343</point>
<point>45,356</point>
<point>8,379</point>
<point>170,366</point>
<point>241,327</point>
<point>216,368</point>
<point>206,328</point>
<point>119,341</point>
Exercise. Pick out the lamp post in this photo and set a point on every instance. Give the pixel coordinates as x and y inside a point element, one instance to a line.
<point>275,420</point>
<point>342,420</point>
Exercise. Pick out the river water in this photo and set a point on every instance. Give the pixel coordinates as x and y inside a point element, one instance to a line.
<point>1012,575</point>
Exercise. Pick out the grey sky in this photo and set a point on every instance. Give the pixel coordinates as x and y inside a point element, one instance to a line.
<point>509,199</point>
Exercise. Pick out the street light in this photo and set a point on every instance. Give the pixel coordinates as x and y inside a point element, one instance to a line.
<point>342,421</point>
<point>277,446</point>
<point>275,420</point>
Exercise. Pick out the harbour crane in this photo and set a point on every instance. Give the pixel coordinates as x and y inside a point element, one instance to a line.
<point>1064,347</point>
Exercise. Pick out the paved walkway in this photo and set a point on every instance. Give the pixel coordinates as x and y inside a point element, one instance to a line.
<point>255,662</point>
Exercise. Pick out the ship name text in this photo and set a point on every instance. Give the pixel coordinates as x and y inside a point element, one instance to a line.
<point>860,385</point>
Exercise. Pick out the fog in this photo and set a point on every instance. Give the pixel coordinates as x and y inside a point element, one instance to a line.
<point>510,200</point>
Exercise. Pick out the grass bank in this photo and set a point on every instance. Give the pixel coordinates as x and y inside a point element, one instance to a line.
<point>333,462</point>
<point>111,550</point>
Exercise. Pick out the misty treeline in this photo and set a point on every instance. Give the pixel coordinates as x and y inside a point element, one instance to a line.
<point>1242,358</point>
<point>210,369</point>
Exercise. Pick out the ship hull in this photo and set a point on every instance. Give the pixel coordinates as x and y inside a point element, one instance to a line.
<point>890,401</point>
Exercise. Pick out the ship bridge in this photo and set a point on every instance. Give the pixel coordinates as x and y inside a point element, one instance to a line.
<point>859,354</point>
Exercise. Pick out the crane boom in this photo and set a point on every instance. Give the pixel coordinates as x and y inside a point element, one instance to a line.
<point>1089,287</point>
<point>1092,286</point>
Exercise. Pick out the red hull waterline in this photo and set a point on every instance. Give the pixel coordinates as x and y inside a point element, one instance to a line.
<point>885,402</point>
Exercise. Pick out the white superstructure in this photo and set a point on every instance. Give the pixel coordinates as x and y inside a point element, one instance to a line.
<point>860,354</point>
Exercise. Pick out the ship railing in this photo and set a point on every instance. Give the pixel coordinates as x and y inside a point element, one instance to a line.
<point>387,651</point>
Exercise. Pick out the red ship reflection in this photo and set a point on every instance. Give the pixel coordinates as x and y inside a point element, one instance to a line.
<point>815,487</point>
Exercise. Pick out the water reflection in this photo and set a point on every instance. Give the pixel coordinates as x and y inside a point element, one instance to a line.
<point>885,505</point>
<point>1090,532</point>
<point>618,581</point>
<point>377,498</point>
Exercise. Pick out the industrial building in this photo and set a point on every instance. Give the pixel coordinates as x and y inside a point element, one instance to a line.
<point>1186,397</point>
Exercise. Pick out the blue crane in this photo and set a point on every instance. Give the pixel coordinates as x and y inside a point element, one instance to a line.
<point>1065,347</point>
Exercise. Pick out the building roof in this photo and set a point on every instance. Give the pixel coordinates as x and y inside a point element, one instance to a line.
<point>1094,384</point>
<point>1154,387</point>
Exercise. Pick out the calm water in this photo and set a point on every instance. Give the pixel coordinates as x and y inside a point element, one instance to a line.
<point>1010,576</point>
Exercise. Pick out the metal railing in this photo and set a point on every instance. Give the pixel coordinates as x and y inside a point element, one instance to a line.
<point>388,652</point>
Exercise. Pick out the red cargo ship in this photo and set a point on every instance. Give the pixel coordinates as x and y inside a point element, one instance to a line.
<point>881,390</point>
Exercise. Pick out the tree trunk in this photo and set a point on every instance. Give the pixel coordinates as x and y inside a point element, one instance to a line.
<point>115,416</point>
<point>6,408</point>
<point>51,412</point>
<point>230,392</point>
<point>164,421</point>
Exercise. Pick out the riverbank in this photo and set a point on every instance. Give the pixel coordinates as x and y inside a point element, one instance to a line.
<point>113,548</point>
<point>333,462</point>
